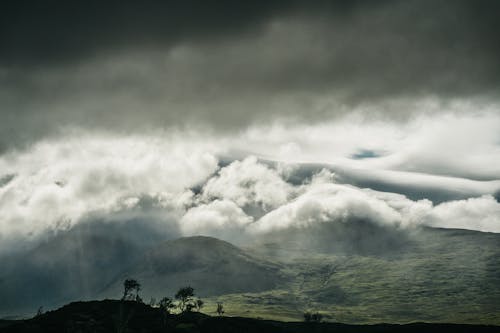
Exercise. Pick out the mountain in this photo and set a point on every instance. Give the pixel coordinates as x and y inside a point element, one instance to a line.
<point>348,275</point>
<point>210,265</point>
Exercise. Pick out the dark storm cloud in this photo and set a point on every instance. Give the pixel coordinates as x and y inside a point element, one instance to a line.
<point>431,34</point>
<point>129,65</point>
<point>49,32</point>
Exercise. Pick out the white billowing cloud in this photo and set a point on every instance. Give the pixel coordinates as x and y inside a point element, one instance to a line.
<point>412,213</point>
<point>482,214</point>
<point>217,218</point>
<point>476,213</point>
<point>249,182</point>
<point>328,203</point>
<point>59,182</point>
<point>322,177</point>
<point>56,182</point>
<point>323,202</point>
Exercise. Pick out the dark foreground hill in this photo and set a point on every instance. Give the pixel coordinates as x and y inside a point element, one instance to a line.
<point>118,316</point>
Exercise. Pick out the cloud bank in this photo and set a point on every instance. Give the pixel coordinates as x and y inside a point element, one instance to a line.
<point>55,185</point>
<point>182,183</point>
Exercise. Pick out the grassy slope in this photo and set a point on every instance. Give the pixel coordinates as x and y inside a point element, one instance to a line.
<point>449,276</point>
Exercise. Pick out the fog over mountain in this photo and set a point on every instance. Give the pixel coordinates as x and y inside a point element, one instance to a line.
<point>135,123</point>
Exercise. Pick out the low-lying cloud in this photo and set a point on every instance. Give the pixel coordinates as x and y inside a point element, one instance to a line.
<point>179,180</point>
<point>59,183</point>
<point>219,218</point>
<point>248,183</point>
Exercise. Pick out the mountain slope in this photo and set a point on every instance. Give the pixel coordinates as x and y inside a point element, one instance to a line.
<point>443,276</point>
<point>210,265</point>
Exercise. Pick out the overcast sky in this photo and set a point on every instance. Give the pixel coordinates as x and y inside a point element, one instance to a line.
<point>227,64</point>
<point>117,98</point>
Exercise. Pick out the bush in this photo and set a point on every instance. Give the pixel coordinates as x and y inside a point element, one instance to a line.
<point>313,317</point>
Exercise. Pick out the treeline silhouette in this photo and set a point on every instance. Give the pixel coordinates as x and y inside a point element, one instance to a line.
<point>183,302</point>
<point>184,299</point>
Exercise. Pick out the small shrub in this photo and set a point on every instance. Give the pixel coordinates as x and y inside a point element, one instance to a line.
<point>313,317</point>
<point>220,309</point>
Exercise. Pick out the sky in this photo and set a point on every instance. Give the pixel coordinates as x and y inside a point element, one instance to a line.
<point>236,118</point>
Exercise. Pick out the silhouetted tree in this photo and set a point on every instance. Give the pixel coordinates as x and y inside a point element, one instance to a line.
<point>166,305</point>
<point>313,317</point>
<point>220,308</point>
<point>199,304</point>
<point>185,298</point>
<point>190,306</point>
<point>39,312</point>
<point>129,286</point>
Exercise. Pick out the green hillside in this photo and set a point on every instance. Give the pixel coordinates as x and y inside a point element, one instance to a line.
<point>446,276</point>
